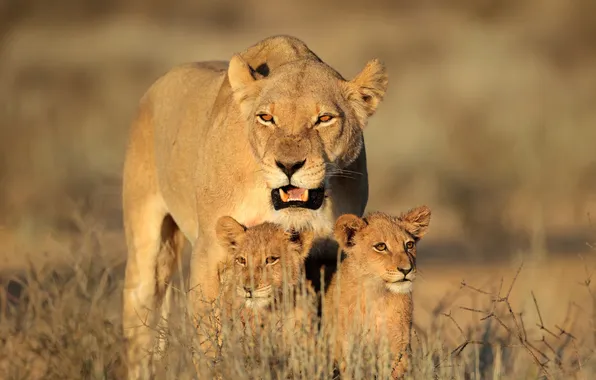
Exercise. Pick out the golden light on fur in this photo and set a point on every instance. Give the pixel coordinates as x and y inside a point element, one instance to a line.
<point>375,280</point>
<point>269,255</point>
<point>260,296</point>
<point>197,150</point>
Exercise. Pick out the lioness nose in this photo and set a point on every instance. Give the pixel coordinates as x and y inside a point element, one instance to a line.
<point>289,168</point>
<point>405,271</point>
<point>248,290</point>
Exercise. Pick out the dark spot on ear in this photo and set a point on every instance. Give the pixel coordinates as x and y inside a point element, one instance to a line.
<point>342,256</point>
<point>263,69</point>
<point>350,232</point>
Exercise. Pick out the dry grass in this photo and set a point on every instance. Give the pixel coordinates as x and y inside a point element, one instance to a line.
<point>488,120</point>
<point>506,321</point>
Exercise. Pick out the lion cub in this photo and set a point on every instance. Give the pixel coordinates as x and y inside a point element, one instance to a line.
<point>263,261</point>
<point>373,286</point>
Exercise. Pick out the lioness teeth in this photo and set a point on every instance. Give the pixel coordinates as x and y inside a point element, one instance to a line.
<point>294,194</point>
<point>304,196</point>
<point>283,195</point>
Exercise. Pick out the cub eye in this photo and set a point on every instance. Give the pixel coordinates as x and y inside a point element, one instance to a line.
<point>241,260</point>
<point>265,118</point>
<point>324,119</point>
<point>271,260</point>
<point>410,245</point>
<point>380,247</point>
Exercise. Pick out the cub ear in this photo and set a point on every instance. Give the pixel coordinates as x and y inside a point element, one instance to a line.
<point>229,232</point>
<point>303,241</point>
<point>346,228</point>
<point>416,221</point>
<point>367,89</point>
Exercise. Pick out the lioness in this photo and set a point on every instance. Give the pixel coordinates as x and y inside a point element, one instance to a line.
<point>273,135</point>
<point>261,276</point>
<point>373,285</point>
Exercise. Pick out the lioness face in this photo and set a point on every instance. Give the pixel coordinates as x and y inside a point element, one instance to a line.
<point>258,257</point>
<point>305,124</point>
<point>385,246</point>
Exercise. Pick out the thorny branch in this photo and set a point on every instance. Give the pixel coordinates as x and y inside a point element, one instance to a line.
<point>514,324</point>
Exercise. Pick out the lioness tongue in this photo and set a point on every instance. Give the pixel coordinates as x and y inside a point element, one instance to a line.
<point>297,194</point>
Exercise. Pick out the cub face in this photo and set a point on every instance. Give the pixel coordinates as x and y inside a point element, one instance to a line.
<point>384,246</point>
<point>261,260</point>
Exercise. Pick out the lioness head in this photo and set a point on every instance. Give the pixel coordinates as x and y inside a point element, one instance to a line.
<point>258,258</point>
<point>385,246</point>
<point>305,123</point>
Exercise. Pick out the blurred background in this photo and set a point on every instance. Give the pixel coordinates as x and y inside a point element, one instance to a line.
<point>490,116</point>
<point>490,119</point>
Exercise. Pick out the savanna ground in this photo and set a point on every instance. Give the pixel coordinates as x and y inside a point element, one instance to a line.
<point>489,120</point>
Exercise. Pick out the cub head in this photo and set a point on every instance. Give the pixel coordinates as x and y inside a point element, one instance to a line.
<point>261,259</point>
<point>305,123</point>
<point>383,245</point>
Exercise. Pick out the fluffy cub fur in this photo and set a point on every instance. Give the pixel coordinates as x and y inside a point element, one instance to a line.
<point>371,294</point>
<point>262,275</point>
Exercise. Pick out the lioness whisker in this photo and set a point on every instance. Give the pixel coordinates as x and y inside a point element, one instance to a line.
<point>343,172</point>
<point>339,176</point>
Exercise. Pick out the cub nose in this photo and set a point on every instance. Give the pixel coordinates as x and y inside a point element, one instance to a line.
<point>289,168</point>
<point>248,290</point>
<point>405,271</point>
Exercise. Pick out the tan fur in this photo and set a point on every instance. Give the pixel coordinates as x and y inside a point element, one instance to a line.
<point>197,151</point>
<point>368,290</point>
<point>261,261</point>
<point>262,272</point>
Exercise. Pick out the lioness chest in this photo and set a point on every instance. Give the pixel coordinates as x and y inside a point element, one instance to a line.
<point>254,207</point>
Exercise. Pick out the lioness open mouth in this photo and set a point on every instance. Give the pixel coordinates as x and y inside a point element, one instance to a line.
<point>291,196</point>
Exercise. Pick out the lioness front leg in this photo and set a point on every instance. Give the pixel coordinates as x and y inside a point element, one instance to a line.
<point>142,225</point>
<point>154,244</point>
<point>203,296</point>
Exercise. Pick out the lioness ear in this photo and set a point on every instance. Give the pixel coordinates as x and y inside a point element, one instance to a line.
<point>229,232</point>
<point>303,241</point>
<point>346,228</point>
<point>367,89</point>
<point>416,221</point>
<point>240,74</point>
<point>243,81</point>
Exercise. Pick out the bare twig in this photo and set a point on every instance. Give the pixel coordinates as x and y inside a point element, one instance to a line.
<point>466,285</point>
<point>541,324</point>
<point>448,315</point>
<point>518,330</point>
<point>474,310</point>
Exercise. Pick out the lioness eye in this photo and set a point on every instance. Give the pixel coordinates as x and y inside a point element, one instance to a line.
<point>241,260</point>
<point>267,118</point>
<point>324,119</point>
<point>271,260</point>
<point>410,245</point>
<point>380,247</point>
